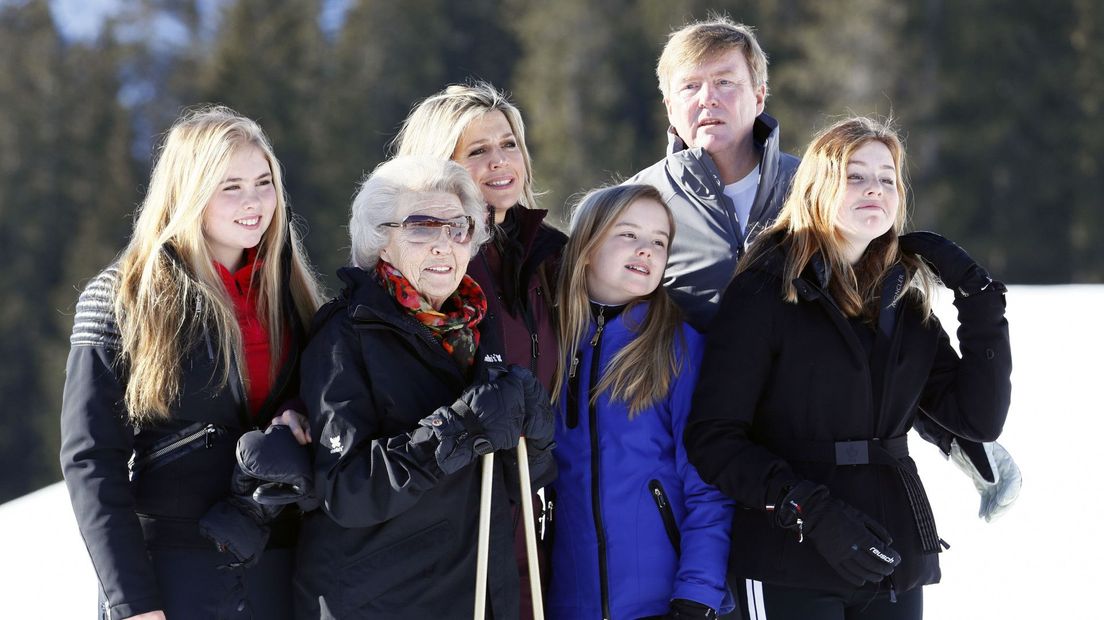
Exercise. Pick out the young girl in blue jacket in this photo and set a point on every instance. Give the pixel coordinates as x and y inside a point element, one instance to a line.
<point>637,533</point>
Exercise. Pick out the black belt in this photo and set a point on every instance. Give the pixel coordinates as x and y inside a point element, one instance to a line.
<point>861,452</point>
<point>890,452</point>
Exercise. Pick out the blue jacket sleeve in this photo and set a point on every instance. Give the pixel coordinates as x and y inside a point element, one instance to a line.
<point>706,528</point>
<point>362,479</point>
<point>96,444</point>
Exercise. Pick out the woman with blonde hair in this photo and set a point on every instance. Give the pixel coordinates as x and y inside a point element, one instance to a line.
<point>838,351</point>
<point>637,532</point>
<point>189,339</point>
<point>478,127</point>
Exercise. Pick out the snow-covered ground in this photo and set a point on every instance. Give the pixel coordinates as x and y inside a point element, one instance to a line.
<point>1040,560</point>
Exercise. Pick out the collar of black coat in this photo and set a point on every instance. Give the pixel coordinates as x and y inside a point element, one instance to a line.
<point>773,262</point>
<point>365,300</point>
<point>813,282</point>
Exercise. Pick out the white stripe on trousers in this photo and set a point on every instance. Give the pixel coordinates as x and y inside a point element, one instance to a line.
<point>756,609</point>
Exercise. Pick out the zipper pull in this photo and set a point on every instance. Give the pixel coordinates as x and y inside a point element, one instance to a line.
<point>208,437</point>
<point>536,345</point>
<point>660,500</point>
<point>574,366</point>
<point>601,326</point>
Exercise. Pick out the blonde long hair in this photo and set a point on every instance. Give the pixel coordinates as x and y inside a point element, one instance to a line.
<point>808,218</point>
<point>639,374</point>
<point>435,125</point>
<point>169,291</point>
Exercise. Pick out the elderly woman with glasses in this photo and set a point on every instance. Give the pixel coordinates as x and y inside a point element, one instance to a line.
<point>404,393</point>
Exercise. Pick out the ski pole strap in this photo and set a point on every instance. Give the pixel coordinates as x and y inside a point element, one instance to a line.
<point>890,452</point>
<point>480,444</point>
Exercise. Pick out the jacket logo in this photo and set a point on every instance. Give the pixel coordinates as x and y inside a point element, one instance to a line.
<point>335,445</point>
<point>492,357</point>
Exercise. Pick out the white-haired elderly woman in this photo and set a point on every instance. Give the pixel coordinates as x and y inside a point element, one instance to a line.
<point>403,396</point>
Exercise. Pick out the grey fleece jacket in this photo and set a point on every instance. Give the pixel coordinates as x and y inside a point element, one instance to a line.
<point>708,242</point>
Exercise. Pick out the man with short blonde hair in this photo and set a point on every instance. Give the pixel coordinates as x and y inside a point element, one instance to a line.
<point>724,175</point>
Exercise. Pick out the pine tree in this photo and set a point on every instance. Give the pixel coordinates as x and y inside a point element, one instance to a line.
<point>268,63</point>
<point>65,186</point>
<point>1007,145</point>
<point>589,104</point>
<point>1087,88</point>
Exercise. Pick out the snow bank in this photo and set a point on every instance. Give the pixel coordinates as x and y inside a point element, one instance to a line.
<point>1039,560</point>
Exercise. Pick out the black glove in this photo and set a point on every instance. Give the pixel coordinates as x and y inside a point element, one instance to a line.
<point>537,427</point>
<point>950,262</point>
<point>683,609</point>
<point>280,466</point>
<point>487,417</point>
<point>238,524</point>
<point>852,543</point>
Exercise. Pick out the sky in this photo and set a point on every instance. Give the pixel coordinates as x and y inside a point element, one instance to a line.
<point>83,19</point>
<point>1040,560</point>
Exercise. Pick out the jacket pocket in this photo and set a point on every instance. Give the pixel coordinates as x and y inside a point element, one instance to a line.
<point>396,575</point>
<point>663,504</point>
<point>173,446</point>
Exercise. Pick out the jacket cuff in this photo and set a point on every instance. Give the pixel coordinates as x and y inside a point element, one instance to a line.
<point>699,593</point>
<point>134,608</point>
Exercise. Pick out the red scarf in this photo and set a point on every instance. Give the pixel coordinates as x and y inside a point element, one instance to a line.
<point>255,344</point>
<point>454,325</point>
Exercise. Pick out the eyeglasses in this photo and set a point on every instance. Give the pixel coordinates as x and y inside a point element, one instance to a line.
<point>425,228</point>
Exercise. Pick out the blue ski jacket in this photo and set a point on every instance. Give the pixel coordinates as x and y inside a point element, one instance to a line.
<point>634,525</point>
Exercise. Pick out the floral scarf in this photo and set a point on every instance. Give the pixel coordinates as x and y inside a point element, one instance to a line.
<point>454,325</point>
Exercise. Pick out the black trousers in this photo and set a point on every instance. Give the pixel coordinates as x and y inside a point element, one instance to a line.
<point>763,601</point>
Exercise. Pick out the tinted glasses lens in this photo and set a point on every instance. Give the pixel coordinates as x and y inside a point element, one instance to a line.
<point>423,229</point>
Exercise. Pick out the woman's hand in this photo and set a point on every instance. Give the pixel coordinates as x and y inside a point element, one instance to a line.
<point>149,615</point>
<point>958,271</point>
<point>297,422</point>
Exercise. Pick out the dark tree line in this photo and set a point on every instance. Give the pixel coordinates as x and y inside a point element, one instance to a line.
<point>1000,102</point>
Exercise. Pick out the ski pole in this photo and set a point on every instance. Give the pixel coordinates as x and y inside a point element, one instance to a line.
<point>484,537</point>
<point>530,530</point>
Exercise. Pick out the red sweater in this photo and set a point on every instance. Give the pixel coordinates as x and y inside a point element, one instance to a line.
<point>258,353</point>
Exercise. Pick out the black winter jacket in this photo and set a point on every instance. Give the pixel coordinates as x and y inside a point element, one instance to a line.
<point>709,243</point>
<point>132,488</point>
<point>396,537</point>
<point>785,386</point>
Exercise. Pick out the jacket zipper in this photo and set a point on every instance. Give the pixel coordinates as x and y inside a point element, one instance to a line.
<point>206,433</point>
<point>666,514</point>
<point>534,342</point>
<point>595,465</point>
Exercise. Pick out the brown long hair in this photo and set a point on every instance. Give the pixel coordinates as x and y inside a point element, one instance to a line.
<point>169,290</point>
<point>639,374</point>
<point>807,221</point>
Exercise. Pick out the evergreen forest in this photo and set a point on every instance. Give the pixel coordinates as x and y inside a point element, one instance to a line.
<point>1000,103</point>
